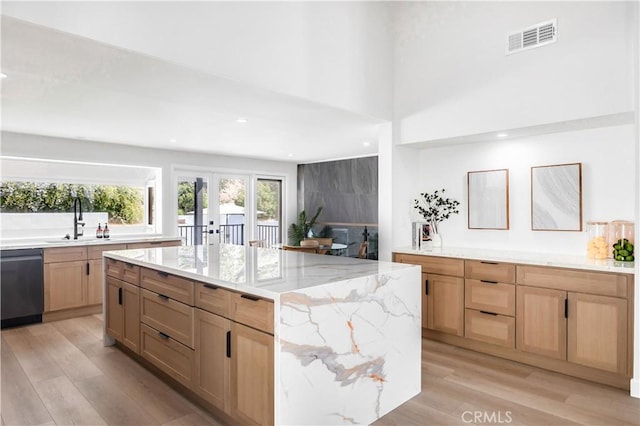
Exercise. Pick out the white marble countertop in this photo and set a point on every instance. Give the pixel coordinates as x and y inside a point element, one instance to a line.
<point>527,258</point>
<point>263,272</point>
<point>61,242</point>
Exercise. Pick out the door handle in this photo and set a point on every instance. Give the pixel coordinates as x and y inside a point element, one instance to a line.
<point>228,344</point>
<point>426,287</point>
<point>120,296</point>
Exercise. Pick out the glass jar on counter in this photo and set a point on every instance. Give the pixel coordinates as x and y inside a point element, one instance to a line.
<point>598,240</point>
<point>622,240</point>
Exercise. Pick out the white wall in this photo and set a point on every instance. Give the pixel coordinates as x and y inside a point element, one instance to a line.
<point>335,53</point>
<point>34,146</point>
<point>452,77</point>
<point>608,184</point>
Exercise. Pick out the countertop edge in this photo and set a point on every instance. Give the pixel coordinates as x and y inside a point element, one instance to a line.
<point>89,242</point>
<point>524,258</point>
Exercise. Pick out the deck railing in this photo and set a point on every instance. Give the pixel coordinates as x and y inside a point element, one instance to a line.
<point>230,234</point>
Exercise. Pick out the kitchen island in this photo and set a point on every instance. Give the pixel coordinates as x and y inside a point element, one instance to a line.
<point>267,336</point>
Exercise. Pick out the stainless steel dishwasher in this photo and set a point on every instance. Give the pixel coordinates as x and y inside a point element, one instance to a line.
<point>21,287</point>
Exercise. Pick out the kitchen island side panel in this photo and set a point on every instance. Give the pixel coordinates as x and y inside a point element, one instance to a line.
<point>348,352</point>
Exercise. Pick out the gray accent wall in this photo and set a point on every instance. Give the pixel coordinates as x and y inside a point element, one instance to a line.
<point>348,192</point>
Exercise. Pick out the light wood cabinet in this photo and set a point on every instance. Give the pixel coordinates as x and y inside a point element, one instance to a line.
<point>94,282</point>
<point>171,356</point>
<point>65,285</point>
<point>445,304</point>
<point>212,376</point>
<point>154,244</point>
<point>573,321</point>
<point>251,376</point>
<point>177,288</point>
<point>122,314</point>
<point>541,322</point>
<point>169,316</point>
<point>597,332</point>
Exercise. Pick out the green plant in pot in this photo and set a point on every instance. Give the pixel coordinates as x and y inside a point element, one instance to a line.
<point>299,230</point>
<point>435,208</point>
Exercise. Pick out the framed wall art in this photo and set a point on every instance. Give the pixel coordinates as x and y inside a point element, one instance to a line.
<point>488,199</point>
<point>556,197</point>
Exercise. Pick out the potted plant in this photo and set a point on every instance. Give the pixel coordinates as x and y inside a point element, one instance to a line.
<point>299,230</point>
<point>435,208</point>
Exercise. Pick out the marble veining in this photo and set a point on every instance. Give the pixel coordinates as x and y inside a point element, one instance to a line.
<point>350,349</point>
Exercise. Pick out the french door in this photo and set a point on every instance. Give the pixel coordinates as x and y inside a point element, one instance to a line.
<point>214,208</point>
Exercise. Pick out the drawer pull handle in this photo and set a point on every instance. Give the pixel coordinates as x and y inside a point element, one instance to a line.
<point>163,297</point>
<point>488,313</point>
<point>155,243</point>
<point>253,298</point>
<point>489,282</point>
<point>489,263</point>
<point>162,335</point>
<point>163,274</point>
<point>228,344</point>
<point>426,287</point>
<point>211,286</point>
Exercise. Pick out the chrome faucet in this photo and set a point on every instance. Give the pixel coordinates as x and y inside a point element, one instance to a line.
<point>77,207</point>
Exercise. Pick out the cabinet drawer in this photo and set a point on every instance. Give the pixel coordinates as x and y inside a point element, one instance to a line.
<point>602,283</point>
<point>434,265</point>
<point>490,271</point>
<point>95,252</point>
<point>495,329</point>
<point>492,297</point>
<point>172,357</point>
<point>252,311</point>
<point>65,254</point>
<point>177,288</point>
<point>131,273</point>
<point>168,316</point>
<point>212,298</point>
<point>113,268</point>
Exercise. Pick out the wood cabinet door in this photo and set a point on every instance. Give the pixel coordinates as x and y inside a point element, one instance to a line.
<point>213,363</point>
<point>114,315</point>
<point>425,299</point>
<point>541,326</point>
<point>597,332</point>
<point>94,282</point>
<point>65,285</point>
<point>445,304</point>
<point>251,376</point>
<point>131,316</point>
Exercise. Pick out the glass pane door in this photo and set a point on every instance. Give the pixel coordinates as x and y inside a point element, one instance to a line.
<point>269,211</point>
<point>193,216</point>
<point>231,192</point>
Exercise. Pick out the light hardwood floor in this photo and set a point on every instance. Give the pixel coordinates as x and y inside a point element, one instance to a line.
<point>59,373</point>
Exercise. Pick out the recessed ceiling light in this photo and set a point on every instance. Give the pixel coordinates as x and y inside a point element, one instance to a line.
<point>289,155</point>
<point>173,140</point>
<point>3,75</point>
<point>241,120</point>
<point>502,135</point>
<point>367,143</point>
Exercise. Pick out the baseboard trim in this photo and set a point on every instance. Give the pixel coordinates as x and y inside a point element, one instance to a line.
<point>71,313</point>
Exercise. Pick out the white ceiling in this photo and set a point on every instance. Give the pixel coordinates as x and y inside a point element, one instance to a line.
<point>64,85</point>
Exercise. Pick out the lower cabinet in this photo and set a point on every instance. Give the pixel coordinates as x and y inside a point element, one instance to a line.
<point>445,304</point>
<point>597,332</point>
<point>65,285</point>
<point>251,375</point>
<point>541,322</point>
<point>123,313</point>
<point>94,281</point>
<point>213,358</point>
<point>171,356</point>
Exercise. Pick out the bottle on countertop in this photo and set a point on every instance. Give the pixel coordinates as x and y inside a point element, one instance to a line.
<point>99,231</point>
<point>105,231</point>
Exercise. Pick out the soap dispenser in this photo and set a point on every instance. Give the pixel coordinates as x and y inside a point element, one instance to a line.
<point>99,231</point>
<point>105,232</point>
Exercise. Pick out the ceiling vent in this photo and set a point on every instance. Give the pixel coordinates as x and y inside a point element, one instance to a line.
<point>531,37</point>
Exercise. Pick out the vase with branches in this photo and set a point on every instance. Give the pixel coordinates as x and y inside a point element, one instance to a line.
<point>299,230</point>
<point>435,208</point>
